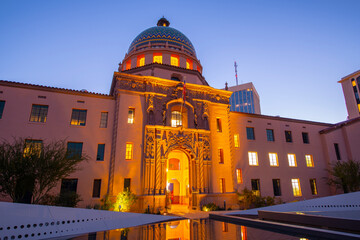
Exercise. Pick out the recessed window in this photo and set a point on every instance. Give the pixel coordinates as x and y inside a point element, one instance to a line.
<point>276,187</point>
<point>174,60</point>
<point>74,149</point>
<point>305,137</point>
<point>68,186</point>
<point>221,155</point>
<point>176,119</point>
<point>309,160</point>
<point>38,113</point>
<point>236,140</point>
<point>222,185</point>
<point>2,105</point>
<point>255,186</point>
<point>129,151</point>
<point>128,65</point>
<point>127,183</point>
<point>174,164</point>
<point>295,182</point>
<point>273,158</point>
<point>189,64</point>
<point>100,152</point>
<point>225,227</point>
<point>33,146</point>
<point>250,133</point>
<point>337,151</point>
<point>157,58</point>
<point>288,136</point>
<point>78,117</point>
<point>292,160</point>
<point>313,186</point>
<point>218,125</point>
<point>239,178</point>
<point>198,69</point>
<point>103,120</point>
<point>131,115</point>
<point>96,188</point>
<point>253,159</point>
<point>270,135</point>
<point>140,61</point>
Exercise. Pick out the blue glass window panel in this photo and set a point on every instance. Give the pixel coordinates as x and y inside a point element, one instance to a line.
<point>250,133</point>
<point>100,152</point>
<point>2,105</point>
<point>74,149</point>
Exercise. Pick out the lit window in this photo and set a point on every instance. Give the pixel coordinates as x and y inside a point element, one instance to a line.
<point>218,125</point>
<point>2,105</point>
<point>239,176</point>
<point>292,160</point>
<point>313,186</point>
<point>129,151</point>
<point>221,155</point>
<point>100,152</point>
<point>250,134</point>
<point>38,113</point>
<point>309,161</point>
<point>189,64</point>
<point>296,187</point>
<point>174,60</point>
<point>255,186</point>
<point>140,61</point>
<point>174,164</point>
<point>359,107</point>
<point>236,140</point>
<point>74,149</point>
<point>96,188</point>
<point>78,117</point>
<point>128,65</point>
<point>225,227</point>
<point>33,147</point>
<point>305,137</point>
<point>157,58</point>
<point>243,233</point>
<point>198,69</point>
<point>288,136</point>
<point>253,159</point>
<point>270,135</point>
<point>131,114</point>
<point>103,119</point>
<point>176,119</point>
<point>222,185</point>
<point>273,158</point>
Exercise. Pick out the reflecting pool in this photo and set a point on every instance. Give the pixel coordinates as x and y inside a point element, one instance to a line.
<point>201,229</point>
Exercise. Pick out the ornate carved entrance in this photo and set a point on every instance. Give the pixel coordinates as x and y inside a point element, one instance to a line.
<point>160,141</point>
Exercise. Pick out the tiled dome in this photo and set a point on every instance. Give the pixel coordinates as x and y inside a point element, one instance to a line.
<point>162,34</point>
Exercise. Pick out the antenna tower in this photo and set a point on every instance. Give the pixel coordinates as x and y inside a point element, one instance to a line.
<point>235,65</point>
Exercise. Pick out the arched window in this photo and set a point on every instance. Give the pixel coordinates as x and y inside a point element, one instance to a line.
<point>176,119</point>
<point>175,79</point>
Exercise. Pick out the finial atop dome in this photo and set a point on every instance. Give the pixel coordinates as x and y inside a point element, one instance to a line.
<point>163,22</point>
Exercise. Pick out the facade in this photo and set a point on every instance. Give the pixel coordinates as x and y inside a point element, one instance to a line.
<point>169,137</point>
<point>351,88</point>
<point>244,99</point>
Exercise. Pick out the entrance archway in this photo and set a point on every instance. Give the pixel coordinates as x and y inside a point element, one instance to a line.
<point>177,178</point>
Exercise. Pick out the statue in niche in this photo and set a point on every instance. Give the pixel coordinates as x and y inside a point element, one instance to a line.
<point>164,114</point>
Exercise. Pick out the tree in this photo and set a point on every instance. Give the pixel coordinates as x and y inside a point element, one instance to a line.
<point>124,201</point>
<point>345,175</point>
<point>30,169</point>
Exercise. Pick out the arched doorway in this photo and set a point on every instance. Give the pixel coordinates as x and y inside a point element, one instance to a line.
<point>177,180</point>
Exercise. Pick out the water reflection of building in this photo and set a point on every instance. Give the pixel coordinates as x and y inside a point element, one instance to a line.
<point>168,136</point>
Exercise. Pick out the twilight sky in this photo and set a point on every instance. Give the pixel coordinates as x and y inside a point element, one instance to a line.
<point>293,51</point>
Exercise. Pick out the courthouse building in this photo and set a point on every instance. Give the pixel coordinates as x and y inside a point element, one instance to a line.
<point>163,131</point>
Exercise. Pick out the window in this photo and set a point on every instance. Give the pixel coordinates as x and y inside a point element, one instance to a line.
<point>128,65</point>
<point>221,155</point>
<point>174,60</point>
<point>255,186</point>
<point>313,186</point>
<point>74,149</point>
<point>96,188</point>
<point>68,186</point>
<point>250,134</point>
<point>288,136</point>
<point>157,58</point>
<point>309,161</point>
<point>103,119</point>
<point>239,176</point>
<point>295,182</point>
<point>253,159</point>
<point>225,227</point>
<point>131,115</point>
<point>305,137</point>
<point>273,158</point>
<point>78,117</point>
<point>174,164</point>
<point>176,119</point>
<point>218,125</point>
<point>222,185</point>
<point>276,187</point>
<point>129,151</point>
<point>270,135</point>
<point>337,151</point>
<point>2,105</point>
<point>292,160</point>
<point>243,231</point>
<point>100,152</point>
<point>198,69</point>
<point>189,64</point>
<point>38,113</point>
<point>127,183</point>
<point>33,146</point>
<point>140,61</point>
<point>236,140</point>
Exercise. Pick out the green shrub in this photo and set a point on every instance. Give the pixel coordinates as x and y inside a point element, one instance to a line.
<point>124,201</point>
<point>210,207</point>
<point>68,199</point>
<point>248,199</point>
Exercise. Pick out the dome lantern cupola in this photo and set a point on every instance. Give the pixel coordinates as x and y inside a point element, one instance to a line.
<point>163,22</point>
